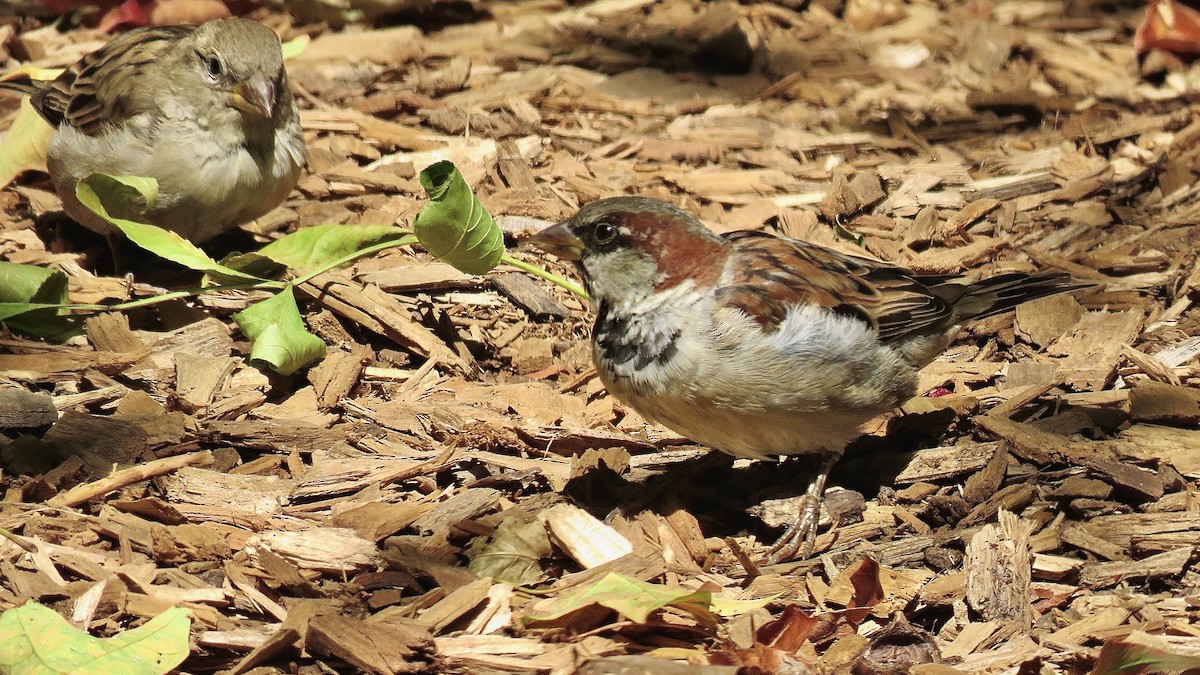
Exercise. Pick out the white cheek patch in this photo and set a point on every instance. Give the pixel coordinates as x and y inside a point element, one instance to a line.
<point>620,278</point>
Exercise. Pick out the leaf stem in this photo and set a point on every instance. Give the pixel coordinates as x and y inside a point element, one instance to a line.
<point>349,257</point>
<point>188,292</point>
<point>548,276</point>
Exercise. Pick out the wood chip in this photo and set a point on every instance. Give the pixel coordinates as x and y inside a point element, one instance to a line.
<point>588,541</point>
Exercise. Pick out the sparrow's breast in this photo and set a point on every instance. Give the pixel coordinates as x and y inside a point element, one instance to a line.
<point>718,378</point>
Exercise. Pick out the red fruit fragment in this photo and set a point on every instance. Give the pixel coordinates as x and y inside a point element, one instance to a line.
<point>1169,26</point>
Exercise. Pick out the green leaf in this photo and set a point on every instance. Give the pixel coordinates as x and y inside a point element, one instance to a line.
<point>635,600</point>
<point>11,309</point>
<point>24,145</point>
<point>29,283</point>
<point>1126,657</point>
<point>325,245</point>
<point>280,339</point>
<point>842,232</point>
<point>296,46</point>
<point>32,299</point>
<point>512,553</point>
<point>35,640</point>
<point>254,264</point>
<point>125,196</point>
<point>454,226</point>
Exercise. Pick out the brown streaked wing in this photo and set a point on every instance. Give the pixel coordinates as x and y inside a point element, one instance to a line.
<point>101,87</point>
<point>774,274</point>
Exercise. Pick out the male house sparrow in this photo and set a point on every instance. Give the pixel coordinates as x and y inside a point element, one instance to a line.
<point>206,111</point>
<point>759,345</point>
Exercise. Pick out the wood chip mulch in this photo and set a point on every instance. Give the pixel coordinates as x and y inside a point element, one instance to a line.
<point>1037,501</point>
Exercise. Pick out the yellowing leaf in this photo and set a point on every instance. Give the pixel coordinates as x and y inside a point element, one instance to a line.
<point>35,640</point>
<point>636,600</point>
<point>23,147</point>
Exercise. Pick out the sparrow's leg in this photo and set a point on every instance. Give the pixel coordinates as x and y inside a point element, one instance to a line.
<point>114,239</point>
<point>801,536</point>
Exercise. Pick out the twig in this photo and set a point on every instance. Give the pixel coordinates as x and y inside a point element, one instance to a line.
<point>81,493</point>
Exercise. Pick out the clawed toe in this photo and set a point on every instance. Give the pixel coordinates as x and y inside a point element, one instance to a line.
<point>798,540</point>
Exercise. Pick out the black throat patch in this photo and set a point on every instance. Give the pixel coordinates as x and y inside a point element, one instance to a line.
<point>637,338</point>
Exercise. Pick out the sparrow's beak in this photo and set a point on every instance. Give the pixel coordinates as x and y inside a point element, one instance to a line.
<point>255,96</point>
<point>560,241</point>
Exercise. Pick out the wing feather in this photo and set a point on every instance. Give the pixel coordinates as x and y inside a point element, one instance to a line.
<point>103,87</point>
<point>774,274</point>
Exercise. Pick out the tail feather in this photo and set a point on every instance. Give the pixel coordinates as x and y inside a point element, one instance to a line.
<point>23,84</point>
<point>1002,293</point>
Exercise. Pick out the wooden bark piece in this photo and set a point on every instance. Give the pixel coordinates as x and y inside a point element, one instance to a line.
<point>1123,531</point>
<point>110,333</point>
<point>335,376</point>
<point>1044,320</point>
<point>470,503</point>
<point>235,495</point>
<point>1149,443</point>
<point>209,337</point>
<point>1093,349</point>
<point>275,436</point>
<point>198,378</point>
<point>999,569</point>
<point>22,409</point>
<point>119,479</point>
<point>1167,564</point>
<point>99,441</point>
<point>1030,443</point>
<point>529,295</point>
<point>383,648</point>
<point>847,196</point>
<point>414,276</point>
<point>377,311</point>
<point>1160,403</point>
<point>273,647</point>
<point>587,540</point>
<point>947,462</point>
<point>329,549</point>
<point>455,605</point>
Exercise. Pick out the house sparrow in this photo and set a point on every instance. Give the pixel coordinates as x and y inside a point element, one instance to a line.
<point>206,111</point>
<point>758,345</point>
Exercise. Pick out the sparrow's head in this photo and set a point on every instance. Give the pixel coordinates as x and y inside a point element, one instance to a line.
<point>242,58</point>
<point>629,247</point>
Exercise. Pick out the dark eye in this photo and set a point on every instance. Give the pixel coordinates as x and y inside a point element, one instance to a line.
<point>213,64</point>
<point>604,233</point>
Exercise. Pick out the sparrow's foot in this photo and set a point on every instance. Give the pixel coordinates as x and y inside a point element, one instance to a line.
<point>799,539</point>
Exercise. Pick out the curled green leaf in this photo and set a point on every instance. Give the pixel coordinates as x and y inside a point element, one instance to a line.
<point>279,337</point>
<point>454,226</point>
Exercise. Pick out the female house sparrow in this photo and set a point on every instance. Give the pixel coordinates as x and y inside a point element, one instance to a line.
<point>759,345</point>
<point>207,111</point>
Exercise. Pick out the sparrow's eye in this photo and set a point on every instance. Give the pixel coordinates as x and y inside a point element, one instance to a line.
<point>212,64</point>
<point>604,233</point>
